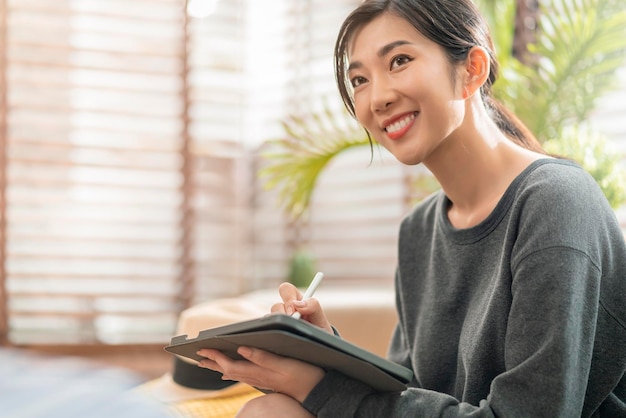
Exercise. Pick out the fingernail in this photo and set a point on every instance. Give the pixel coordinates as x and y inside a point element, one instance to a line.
<point>244,351</point>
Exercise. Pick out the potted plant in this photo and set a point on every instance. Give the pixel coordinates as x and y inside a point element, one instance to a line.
<point>301,268</point>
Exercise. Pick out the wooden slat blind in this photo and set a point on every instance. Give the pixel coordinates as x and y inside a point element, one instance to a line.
<point>356,215</point>
<point>220,184</point>
<point>124,167</point>
<point>93,169</point>
<point>128,179</point>
<point>4,316</point>
<point>315,26</point>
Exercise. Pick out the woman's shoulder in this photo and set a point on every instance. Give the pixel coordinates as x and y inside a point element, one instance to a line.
<point>556,203</point>
<point>547,169</point>
<point>558,182</point>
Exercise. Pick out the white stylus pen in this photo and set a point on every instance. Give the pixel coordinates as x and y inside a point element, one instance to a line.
<point>310,290</point>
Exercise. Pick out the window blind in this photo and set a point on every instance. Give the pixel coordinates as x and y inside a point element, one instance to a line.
<point>356,215</point>
<point>93,169</point>
<point>124,168</point>
<point>220,174</point>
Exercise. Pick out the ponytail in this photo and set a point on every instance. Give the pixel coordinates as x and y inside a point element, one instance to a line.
<point>511,125</point>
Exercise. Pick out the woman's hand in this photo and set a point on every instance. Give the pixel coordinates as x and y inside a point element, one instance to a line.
<point>310,309</point>
<point>265,370</point>
<point>268,371</point>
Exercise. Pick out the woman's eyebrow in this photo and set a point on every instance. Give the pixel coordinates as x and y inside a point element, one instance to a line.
<point>384,50</point>
<point>390,47</point>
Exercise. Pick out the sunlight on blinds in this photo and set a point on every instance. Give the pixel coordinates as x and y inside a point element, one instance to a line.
<point>220,185</point>
<point>311,52</point>
<point>356,216</point>
<point>93,169</point>
<point>268,35</point>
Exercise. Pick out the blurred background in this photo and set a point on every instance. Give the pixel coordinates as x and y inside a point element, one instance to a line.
<point>132,133</point>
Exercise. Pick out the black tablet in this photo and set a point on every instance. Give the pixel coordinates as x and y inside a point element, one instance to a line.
<point>290,337</point>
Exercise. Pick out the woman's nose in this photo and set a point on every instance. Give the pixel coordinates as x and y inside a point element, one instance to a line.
<point>383,94</point>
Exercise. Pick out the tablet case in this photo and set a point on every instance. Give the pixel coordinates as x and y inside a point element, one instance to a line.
<point>290,337</point>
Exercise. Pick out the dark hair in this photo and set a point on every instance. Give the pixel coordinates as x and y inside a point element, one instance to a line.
<point>457,26</point>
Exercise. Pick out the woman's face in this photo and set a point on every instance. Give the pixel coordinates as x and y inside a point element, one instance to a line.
<point>404,93</point>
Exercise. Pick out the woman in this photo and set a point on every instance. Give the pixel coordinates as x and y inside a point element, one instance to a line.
<point>511,280</point>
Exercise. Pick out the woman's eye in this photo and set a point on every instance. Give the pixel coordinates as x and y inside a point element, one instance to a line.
<point>399,60</point>
<point>357,81</point>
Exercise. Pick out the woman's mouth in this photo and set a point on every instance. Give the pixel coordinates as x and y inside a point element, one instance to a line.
<point>398,128</point>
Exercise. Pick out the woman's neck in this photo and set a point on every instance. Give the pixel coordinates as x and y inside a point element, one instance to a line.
<point>475,166</point>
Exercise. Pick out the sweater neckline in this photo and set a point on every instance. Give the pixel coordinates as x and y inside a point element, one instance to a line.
<point>484,228</point>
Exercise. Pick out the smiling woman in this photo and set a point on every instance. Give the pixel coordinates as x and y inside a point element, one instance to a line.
<point>512,272</point>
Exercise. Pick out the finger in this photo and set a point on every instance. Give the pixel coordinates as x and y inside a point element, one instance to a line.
<point>282,374</point>
<point>278,308</point>
<point>238,370</point>
<point>312,311</point>
<point>245,370</point>
<point>210,364</point>
<point>214,360</point>
<point>265,370</point>
<point>210,353</point>
<point>259,357</point>
<point>288,294</point>
<point>262,368</point>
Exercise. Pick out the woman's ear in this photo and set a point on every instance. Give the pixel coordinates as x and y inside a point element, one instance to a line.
<point>476,70</point>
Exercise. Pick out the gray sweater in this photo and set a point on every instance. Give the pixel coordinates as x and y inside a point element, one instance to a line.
<point>523,315</point>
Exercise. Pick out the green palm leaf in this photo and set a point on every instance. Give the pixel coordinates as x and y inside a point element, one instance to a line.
<point>594,153</point>
<point>296,160</point>
<point>579,48</point>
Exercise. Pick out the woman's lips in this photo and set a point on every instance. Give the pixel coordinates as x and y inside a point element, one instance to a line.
<point>398,128</point>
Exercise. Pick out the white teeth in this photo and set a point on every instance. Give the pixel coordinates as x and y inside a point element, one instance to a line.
<point>396,126</point>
